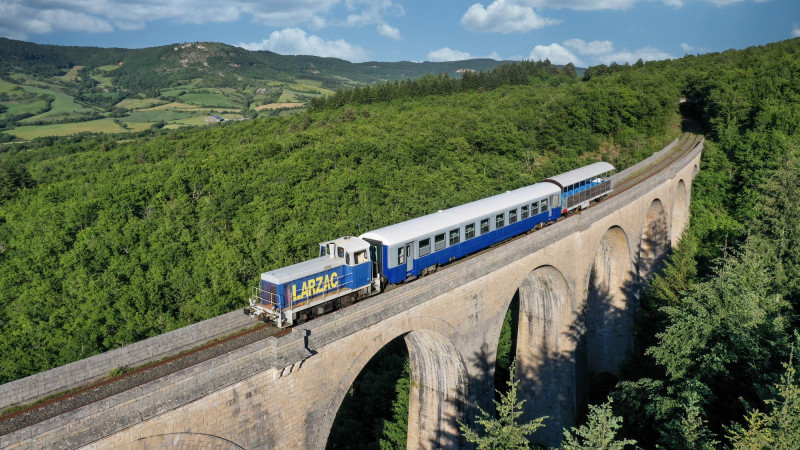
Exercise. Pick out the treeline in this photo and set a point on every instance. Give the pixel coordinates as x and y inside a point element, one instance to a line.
<point>525,72</point>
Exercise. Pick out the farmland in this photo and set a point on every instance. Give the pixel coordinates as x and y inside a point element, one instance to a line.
<point>97,90</point>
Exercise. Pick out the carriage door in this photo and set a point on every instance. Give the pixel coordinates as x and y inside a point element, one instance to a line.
<point>409,257</point>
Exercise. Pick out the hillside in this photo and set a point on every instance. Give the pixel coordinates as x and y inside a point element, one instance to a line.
<point>104,242</point>
<point>116,241</point>
<point>53,90</point>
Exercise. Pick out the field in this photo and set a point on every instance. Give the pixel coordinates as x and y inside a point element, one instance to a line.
<point>192,105</point>
<point>212,99</point>
<point>71,74</point>
<point>65,129</point>
<point>63,105</point>
<point>156,116</point>
<point>279,106</point>
<point>139,103</point>
<point>102,77</point>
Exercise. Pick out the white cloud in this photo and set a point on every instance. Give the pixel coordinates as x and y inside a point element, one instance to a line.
<point>389,31</point>
<point>294,41</point>
<point>581,5</point>
<point>590,48</point>
<point>504,16</point>
<point>448,54</point>
<point>731,2</point>
<point>370,12</point>
<point>796,31</point>
<point>600,52</point>
<point>592,5</point>
<point>555,53</point>
<point>686,47</point>
<point>645,54</point>
<point>20,18</point>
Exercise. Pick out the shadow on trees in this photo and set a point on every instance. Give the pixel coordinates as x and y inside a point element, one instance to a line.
<point>369,404</point>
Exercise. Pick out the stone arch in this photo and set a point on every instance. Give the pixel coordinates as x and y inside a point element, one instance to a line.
<point>608,312</point>
<point>654,242</point>
<point>546,343</point>
<point>182,440</point>
<point>438,393</point>
<point>425,331</point>
<point>680,212</point>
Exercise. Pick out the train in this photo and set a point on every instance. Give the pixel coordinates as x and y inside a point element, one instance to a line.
<point>350,268</point>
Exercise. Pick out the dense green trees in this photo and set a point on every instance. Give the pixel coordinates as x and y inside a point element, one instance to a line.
<point>716,325</point>
<point>121,241</point>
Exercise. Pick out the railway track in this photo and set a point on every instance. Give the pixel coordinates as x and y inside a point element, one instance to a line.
<point>94,392</point>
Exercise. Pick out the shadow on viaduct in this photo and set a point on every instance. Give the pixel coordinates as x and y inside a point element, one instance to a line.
<point>578,283</point>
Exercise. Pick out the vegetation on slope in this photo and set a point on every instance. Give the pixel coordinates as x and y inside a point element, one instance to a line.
<point>120,241</point>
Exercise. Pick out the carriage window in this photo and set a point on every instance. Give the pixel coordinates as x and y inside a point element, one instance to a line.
<point>455,236</point>
<point>438,242</point>
<point>424,247</point>
<point>524,212</point>
<point>512,216</point>
<point>484,226</point>
<point>469,231</point>
<point>534,208</point>
<point>401,256</point>
<point>544,205</point>
<point>499,221</point>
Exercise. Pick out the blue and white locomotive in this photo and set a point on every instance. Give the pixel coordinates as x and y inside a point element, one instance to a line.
<point>351,267</point>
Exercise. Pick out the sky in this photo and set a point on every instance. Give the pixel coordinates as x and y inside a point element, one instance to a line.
<point>584,32</point>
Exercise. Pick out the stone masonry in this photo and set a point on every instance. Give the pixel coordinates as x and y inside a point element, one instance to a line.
<point>578,282</point>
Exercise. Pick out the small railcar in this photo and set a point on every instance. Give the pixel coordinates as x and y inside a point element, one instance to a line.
<point>351,267</point>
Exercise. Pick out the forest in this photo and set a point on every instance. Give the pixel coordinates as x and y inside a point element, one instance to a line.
<point>105,242</point>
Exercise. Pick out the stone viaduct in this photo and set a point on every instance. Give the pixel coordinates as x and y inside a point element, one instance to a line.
<point>578,282</point>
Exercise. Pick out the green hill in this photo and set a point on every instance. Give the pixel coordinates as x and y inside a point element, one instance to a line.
<point>92,83</point>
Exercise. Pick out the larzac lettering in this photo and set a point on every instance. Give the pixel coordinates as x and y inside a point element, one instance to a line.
<point>316,286</point>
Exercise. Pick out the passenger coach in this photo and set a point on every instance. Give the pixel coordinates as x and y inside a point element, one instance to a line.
<point>416,246</point>
<point>349,268</point>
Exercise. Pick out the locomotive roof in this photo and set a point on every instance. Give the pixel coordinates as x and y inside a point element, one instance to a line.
<point>303,269</point>
<point>425,225</point>
<point>350,244</point>
<point>580,174</point>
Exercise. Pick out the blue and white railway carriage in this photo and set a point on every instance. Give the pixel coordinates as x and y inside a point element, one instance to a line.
<point>415,246</point>
<point>342,272</point>
<point>581,186</point>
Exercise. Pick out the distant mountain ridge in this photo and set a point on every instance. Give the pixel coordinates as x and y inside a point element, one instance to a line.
<point>219,65</point>
<point>48,90</point>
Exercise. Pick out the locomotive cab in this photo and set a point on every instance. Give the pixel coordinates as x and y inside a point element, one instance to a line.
<point>301,291</point>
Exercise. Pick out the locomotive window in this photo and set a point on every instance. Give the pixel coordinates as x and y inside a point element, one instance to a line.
<point>425,247</point>
<point>469,231</point>
<point>512,216</point>
<point>347,258</point>
<point>341,252</point>
<point>499,221</point>
<point>401,256</point>
<point>484,226</point>
<point>455,236</point>
<point>544,205</point>
<point>524,212</point>
<point>361,257</point>
<point>438,242</point>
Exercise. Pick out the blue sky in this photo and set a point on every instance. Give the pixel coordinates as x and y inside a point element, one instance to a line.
<point>585,32</point>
